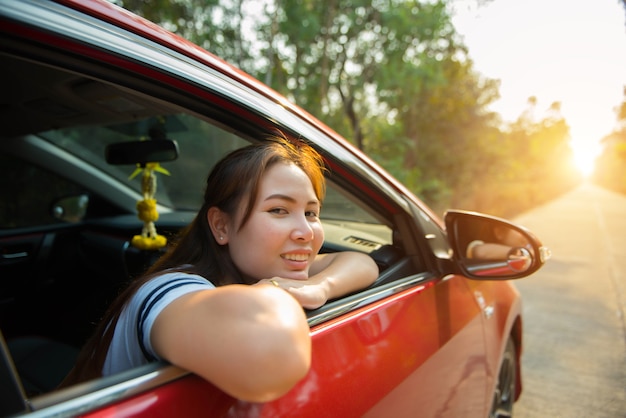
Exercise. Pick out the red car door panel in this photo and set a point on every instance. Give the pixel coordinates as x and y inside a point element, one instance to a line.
<point>372,359</point>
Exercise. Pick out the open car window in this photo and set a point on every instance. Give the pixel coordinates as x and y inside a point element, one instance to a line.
<point>350,224</point>
<point>115,115</point>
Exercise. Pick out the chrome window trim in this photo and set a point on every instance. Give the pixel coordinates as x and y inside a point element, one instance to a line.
<point>98,393</point>
<point>343,306</point>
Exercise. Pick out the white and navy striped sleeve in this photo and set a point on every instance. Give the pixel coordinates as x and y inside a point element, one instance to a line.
<point>131,345</point>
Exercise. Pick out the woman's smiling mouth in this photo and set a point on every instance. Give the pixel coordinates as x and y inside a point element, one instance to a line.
<point>295,257</point>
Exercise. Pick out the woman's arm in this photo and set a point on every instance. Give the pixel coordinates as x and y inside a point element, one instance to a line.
<point>331,275</point>
<point>343,272</point>
<point>250,341</point>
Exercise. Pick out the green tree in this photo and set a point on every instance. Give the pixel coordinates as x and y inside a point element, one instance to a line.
<point>391,76</point>
<point>217,26</point>
<point>610,169</point>
<point>533,163</point>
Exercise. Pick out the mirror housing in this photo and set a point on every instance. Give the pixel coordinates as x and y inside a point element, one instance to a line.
<point>71,208</point>
<point>489,248</point>
<point>142,152</point>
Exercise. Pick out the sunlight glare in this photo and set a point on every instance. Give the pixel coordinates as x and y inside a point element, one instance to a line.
<point>571,52</point>
<point>585,154</point>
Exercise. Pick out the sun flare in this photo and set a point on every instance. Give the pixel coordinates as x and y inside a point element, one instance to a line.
<point>585,154</point>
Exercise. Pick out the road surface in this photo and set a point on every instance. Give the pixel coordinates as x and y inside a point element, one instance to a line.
<point>574,359</point>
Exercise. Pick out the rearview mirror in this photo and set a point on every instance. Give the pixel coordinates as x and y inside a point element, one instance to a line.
<point>491,248</point>
<point>142,152</point>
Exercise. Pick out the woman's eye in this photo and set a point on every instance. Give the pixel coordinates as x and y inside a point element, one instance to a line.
<point>278,211</point>
<point>311,214</point>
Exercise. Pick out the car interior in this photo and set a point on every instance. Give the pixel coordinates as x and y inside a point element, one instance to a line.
<point>67,215</point>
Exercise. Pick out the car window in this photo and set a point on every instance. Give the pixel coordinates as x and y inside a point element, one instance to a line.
<point>97,114</point>
<point>27,193</point>
<point>348,222</point>
<point>351,224</point>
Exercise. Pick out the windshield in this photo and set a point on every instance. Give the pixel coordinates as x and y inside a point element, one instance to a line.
<point>200,145</point>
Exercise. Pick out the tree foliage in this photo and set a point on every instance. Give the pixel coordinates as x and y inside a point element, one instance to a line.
<point>610,169</point>
<point>534,162</point>
<point>393,77</point>
<point>215,25</point>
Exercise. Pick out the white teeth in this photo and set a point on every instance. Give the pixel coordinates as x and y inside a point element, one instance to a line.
<point>296,257</point>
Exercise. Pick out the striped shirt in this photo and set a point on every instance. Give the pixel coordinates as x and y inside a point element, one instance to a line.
<point>131,346</point>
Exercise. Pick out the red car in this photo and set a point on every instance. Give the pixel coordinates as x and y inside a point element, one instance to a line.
<point>438,334</point>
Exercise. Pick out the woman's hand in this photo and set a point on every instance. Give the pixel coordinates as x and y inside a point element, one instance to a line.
<point>331,276</point>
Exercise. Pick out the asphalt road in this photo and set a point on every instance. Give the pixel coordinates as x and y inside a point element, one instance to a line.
<point>574,358</point>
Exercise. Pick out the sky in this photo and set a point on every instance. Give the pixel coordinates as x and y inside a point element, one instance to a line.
<point>570,51</point>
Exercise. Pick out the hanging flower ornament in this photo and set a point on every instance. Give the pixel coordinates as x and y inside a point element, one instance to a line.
<point>147,208</point>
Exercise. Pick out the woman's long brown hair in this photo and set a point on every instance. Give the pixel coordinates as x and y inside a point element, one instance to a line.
<point>234,179</point>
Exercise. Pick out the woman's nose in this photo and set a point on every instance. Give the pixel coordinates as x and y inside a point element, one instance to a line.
<point>303,231</point>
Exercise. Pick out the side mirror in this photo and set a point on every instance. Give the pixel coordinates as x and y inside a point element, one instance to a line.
<point>71,209</point>
<point>142,152</point>
<point>486,247</point>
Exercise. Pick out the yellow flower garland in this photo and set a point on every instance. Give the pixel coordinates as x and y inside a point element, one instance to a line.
<point>147,209</point>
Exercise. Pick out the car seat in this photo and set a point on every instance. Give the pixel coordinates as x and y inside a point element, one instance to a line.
<point>41,363</point>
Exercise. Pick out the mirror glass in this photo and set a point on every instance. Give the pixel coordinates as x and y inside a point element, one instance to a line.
<point>488,247</point>
<point>71,209</point>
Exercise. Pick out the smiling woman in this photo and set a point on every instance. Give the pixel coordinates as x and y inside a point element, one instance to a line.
<point>259,225</point>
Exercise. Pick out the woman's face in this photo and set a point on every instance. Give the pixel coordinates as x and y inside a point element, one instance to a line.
<point>283,233</point>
